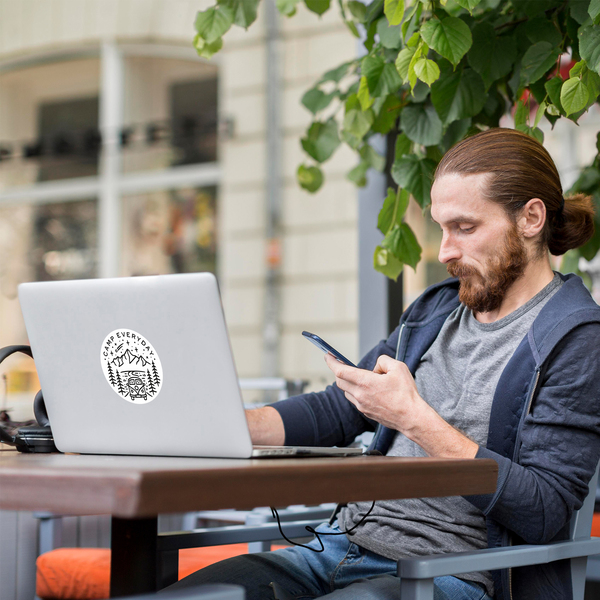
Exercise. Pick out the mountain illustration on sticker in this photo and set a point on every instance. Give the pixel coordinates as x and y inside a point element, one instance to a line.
<point>131,366</point>
<point>130,358</point>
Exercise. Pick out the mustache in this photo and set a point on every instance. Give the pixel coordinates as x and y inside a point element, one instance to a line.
<point>459,270</point>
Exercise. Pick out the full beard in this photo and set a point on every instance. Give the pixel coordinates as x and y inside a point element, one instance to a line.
<point>484,292</point>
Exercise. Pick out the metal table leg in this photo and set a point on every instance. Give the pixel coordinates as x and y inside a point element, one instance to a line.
<point>133,563</point>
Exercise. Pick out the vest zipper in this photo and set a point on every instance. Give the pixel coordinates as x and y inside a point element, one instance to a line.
<point>527,411</point>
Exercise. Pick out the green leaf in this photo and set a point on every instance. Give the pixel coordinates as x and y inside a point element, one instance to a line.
<point>363,94</point>
<point>553,110</point>
<point>542,29</point>
<point>534,132</point>
<point>337,74</point>
<point>352,101</point>
<point>592,81</point>
<point>386,114</point>
<point>358,175</point>
<point>394,11</point>
<point>589,46</point>
<point>358,122</point>
<point>382,77</point>
<point>372,158</point>
<point>450,37</point>
<point>388,36</point>
<point>490,56</point>
<point>578,68</point>
<point>412,21</point>
<point>468,4</point>
<point>206,50</point>
<point>385,262</point>
<point>403,61</point>
<point>374,11</point>
<point>358,10</point>
<point>553,87</point>
<point>538,59</point>
<point>579,10</point>
<point>394,207</point>
<point>310,178</point>
<point>402,243</point>
<point>594,11</point>
<point>403,146</point>
<point>457,94</point>
<point>532,8</point>
<point>244,11</point>
<point>318,6</point>
<point>456,131</point>
<point>212,23</point>
<point>322,140</point>
<point>315,100</point>
<point>574,95</point>
<point>540,113</point>
<point>390,81</point>
<point>427,70</point>
<point>287,7</point>
<point>521,114</point>
<point>351,25</point>
<point>415,175</point>
<point>421,124</point>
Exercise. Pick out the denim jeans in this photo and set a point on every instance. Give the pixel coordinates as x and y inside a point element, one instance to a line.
<point>344,571</point>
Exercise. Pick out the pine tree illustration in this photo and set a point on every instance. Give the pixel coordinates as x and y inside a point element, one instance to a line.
<point>155,374</point>
<point>151,387</point>
<point>120,385</point>
<point>111,375</point>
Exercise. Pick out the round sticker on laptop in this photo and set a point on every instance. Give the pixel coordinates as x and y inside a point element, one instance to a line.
<point>131,366</point>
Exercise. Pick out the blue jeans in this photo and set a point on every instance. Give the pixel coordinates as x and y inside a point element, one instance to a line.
<point>344,571</point>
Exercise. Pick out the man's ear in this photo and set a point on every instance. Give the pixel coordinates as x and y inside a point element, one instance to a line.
<point>532,218</point>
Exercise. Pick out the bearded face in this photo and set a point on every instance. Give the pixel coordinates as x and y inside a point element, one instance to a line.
<point>484,291</point>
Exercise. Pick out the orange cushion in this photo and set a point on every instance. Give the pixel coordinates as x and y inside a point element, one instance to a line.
<point>84,573</point>
<point>596,525</point>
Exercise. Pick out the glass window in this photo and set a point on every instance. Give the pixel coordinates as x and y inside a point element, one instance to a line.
<point>194,121</point>
<point>170,113</point>
<point>171,231</point>
<point>63,244</point>
<point>69,141</point>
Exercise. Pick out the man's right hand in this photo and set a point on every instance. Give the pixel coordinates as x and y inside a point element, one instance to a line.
<point>266,426</point>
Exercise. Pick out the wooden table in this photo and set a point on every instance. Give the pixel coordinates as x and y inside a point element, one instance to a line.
<point>134,490</point>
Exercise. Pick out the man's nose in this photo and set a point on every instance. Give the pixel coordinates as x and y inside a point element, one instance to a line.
<point>448,250</point>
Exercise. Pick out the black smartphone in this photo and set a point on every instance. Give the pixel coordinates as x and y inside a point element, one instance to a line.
<point>323,345</point>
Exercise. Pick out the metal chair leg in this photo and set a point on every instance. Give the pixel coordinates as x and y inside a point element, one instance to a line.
<point>416,589</point>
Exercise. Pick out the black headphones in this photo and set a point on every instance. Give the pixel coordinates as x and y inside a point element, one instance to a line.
<point>35,438</point>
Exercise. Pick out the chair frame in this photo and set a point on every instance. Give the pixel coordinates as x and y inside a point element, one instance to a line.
<point>417,574</point>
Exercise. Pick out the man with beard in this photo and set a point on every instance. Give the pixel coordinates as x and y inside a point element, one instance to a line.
<point>499,362</point>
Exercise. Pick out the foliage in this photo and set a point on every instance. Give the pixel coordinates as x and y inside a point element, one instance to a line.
<point>433,72</point>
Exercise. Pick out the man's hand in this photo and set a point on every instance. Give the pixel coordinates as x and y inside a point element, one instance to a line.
<point>389,396</point>
<point>266,426</point>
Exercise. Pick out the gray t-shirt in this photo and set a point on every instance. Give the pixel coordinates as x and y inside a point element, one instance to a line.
<point>457,376</point>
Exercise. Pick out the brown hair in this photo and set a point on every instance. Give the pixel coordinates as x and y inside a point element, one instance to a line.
<point>520,169</point>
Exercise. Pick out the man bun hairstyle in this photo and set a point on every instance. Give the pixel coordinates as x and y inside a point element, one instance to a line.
<point>520,169</point>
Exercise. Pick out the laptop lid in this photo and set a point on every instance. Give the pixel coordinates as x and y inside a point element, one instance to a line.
<point>138,365</point>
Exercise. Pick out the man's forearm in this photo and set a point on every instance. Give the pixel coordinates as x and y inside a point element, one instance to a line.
<point>438,438</point>
<point>266,426</point>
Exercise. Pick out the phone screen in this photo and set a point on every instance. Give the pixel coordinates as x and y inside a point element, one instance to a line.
<point>323,345</point>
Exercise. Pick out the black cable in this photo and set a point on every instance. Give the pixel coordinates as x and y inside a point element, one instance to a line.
<point>311,530</point>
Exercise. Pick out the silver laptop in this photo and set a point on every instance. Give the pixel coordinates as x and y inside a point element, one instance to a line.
<point>141,365</point>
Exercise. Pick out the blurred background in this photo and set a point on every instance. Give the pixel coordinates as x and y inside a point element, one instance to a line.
<point>122,153</point>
